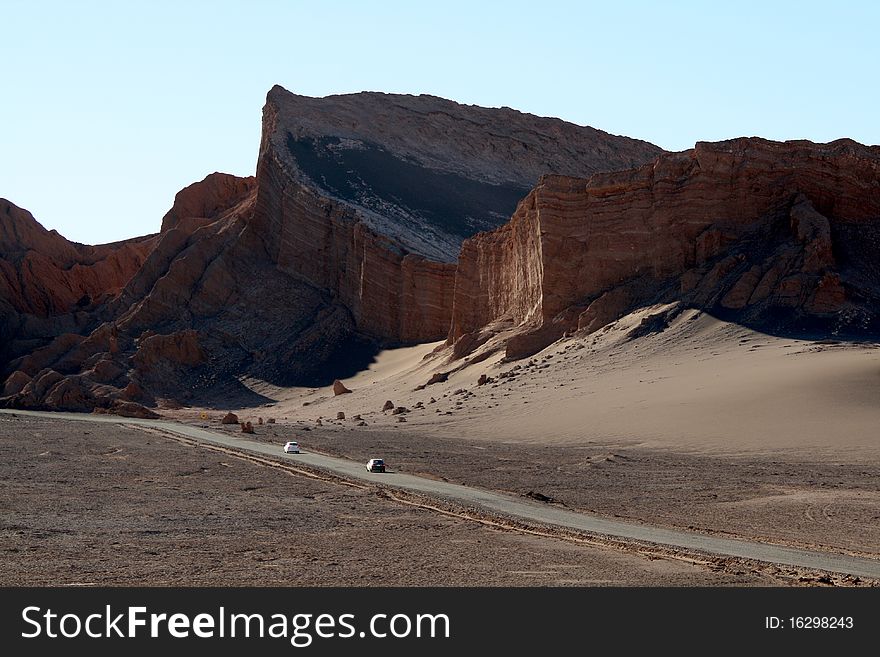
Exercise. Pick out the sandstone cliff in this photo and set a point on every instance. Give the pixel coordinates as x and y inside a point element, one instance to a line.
<point>342,241</point>
<point>425,171</point>
<point>368,196</point>
<point>770,233</point>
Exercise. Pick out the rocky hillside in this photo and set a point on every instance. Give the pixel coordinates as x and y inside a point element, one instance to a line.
<point>341,242</point>
<point>782,236</point>
<point>49,285</point>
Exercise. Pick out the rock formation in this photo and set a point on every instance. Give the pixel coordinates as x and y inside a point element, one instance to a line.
<point>344,239</point>
<point>368,196</point>
<point>423,171</point>
<point>769,233</point>
<point>49,286</point>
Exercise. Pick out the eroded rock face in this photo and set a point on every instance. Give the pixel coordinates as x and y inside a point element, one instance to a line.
<point>50,286</point>
<point>368,196</point>
<point>345,238</point>
<point>744,226</point>
<point>181,348</point>
<point>203,202</point>
<point>428,172</point>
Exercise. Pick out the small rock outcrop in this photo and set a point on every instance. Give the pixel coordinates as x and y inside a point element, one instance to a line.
<point>133,409</point>
<point>339,388</point>
<point>388,406</point>
<point>438,377</point>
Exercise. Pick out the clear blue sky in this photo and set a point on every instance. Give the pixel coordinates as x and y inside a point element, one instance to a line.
<point>109,108</point>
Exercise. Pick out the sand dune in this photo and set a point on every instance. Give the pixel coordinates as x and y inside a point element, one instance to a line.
<point>701,385</point>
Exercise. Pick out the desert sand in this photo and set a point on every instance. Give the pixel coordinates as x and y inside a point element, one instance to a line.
<point>707,426</point>
<point>703,385</point>
<point>103,504</point>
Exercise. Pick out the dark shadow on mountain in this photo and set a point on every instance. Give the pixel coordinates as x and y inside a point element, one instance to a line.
<point>349,357</point>
<point>368,175</point>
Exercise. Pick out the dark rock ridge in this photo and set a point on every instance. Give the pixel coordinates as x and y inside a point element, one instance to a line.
<point>293,276</point>
<point>776,235</point>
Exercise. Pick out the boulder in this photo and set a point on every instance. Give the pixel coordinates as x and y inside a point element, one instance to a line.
<point>15,383</point>
<point>438,377</point>
<point>229,418</point>
<point>133,409</point>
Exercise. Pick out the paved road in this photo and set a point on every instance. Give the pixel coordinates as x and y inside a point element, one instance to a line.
<point>516,507</point>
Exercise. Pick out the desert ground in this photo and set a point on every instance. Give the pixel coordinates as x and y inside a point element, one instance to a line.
<point>704,425</point>
<point>95,504</point>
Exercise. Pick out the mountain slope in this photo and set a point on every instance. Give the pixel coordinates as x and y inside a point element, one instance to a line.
<point>296,275</point>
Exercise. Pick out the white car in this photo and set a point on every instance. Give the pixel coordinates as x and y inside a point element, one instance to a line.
<point>291,447</point>
<point>375,465</point>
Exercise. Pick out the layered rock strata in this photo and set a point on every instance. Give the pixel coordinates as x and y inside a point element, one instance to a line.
<point>751,227</point>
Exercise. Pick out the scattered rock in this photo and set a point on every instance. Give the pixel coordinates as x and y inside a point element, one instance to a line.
<point>247,427</point>
<point>540,497</point>
<point>229,418</point>
<point>483,380</point>
<point>362,423</point>
<point>271,420</point>
<point>259,420</point>
<point>389,405</point>
<point>339,388</point>
<point>133,409</point>
<point>401,419</point>
<point>340,415</point>
<point>438,377</point>
<point>400,410</point>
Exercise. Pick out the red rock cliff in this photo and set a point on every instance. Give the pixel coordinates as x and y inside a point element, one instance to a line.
<point>367,196</point>
<point>579,250</point>
<point>43,274</point>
